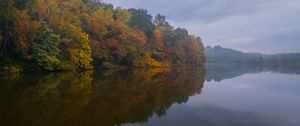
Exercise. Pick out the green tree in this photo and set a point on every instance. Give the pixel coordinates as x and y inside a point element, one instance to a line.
<point>161,21</point>
<point>45,50</point>
<point>142,20</point>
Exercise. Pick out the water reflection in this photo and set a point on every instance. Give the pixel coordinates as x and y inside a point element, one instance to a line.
<point>104,98</point>
<point>219,72</point>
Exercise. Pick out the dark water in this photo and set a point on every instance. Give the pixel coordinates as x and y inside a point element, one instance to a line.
<point>222,95</point>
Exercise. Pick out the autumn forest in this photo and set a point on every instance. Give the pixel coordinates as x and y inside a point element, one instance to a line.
<point>60,35</point>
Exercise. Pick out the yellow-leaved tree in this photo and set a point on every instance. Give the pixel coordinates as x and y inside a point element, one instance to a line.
<point>79,49</point>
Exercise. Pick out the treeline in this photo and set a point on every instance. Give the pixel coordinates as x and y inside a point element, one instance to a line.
<point>286,58</point>
<point>57,35</point>
<point>222,55</point>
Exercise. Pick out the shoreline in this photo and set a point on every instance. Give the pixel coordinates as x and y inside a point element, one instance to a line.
<point>101,69</point>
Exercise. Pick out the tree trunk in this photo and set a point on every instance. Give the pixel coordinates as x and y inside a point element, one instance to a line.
<point>5,41</point>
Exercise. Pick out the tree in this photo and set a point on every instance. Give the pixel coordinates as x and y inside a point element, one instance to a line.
<point>160,21</point>
<point>98,24</point>
<point>92,5</point>
<point>78,49</point>
<point>82,34</point>
<point>121,14</point>
<point>45,50</point>
<point>142,20</point>
<point>138,37</point>
<point>6,12</point>
<point>157,45</point>
<point>24,33</point>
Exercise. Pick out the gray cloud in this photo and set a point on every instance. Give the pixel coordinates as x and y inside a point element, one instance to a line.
<point>268,26</point>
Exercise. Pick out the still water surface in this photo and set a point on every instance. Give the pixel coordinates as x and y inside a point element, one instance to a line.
<point>231,95</point>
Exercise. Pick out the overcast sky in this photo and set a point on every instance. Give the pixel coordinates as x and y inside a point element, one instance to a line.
<point>268,26</point>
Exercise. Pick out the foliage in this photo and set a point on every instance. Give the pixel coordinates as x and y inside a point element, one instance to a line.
<point>78,48</point>
<point>142,20</point>
<point>45,50</point>
<point>82,34</point>
<point>160,21</point>
<point>219,54</point>
<point>10,66</point>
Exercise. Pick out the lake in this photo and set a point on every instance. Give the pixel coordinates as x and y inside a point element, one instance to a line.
<point>219,95</point>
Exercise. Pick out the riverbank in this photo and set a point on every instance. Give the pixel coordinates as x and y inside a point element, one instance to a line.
<point>19,70</point>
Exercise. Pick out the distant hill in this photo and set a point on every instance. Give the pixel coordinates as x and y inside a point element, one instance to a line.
<point>219,54</point>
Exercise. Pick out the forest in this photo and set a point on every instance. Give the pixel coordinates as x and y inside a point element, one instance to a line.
<point>222,55</point>
<point>61,35</point>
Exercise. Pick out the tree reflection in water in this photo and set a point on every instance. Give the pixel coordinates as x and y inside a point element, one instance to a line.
<point>95,98</point>
<point>220,72</point>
